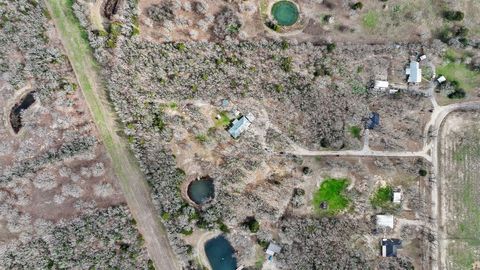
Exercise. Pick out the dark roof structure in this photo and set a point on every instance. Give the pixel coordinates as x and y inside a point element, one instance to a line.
<point>390,246</point>
<point>373,120</point>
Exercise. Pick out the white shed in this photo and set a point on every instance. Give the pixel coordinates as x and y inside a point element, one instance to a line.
<point>381,85</point>
<point>397,197</point>
<point>385,221</point>
<point>441,79</point>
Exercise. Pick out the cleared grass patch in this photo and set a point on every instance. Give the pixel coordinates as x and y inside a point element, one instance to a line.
<point>355,131</point>
<point>331,192</point>
<point>382,196</point>
<point>370,20</point>
<point>458,71</point>
<point>223,121</point>
<point>467,79</point>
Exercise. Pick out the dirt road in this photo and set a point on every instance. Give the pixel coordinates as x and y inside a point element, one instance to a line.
<point>132,181</point>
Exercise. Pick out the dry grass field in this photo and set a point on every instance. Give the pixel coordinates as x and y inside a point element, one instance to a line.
<point>460,172</point>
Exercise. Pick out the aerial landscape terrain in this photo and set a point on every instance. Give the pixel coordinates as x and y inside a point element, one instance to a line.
<point>239,134</point>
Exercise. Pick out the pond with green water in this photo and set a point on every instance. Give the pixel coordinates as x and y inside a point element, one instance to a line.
<point>285,13</point>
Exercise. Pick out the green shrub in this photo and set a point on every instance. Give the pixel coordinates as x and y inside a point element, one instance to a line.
<point>223,227</point>
<point>233,28</point>
<point>286,64</point>
<point>180,46</point>
<point>165,216</point>
<point>278,88</point>
<point>331,47</point>
<point>187,232</point>
<point>452,15</point>
<point>201,137</point>
<point>252,224</point>
<point>355,131</point>
<point>422,172</point>
<point>357,6</point>
<point>459,93</point>
<point>158,122</point>
<point>275,27</point>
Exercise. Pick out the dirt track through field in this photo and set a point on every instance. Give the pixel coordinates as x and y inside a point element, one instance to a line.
<point>132,181</point>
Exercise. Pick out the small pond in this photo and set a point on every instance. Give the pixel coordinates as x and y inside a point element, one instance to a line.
<point>285,13</point>
<point>16,112</point>
<point>220,254</point>
<point>201,190</point>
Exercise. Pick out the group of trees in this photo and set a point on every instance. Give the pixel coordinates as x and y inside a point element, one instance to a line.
<point>104,239</point>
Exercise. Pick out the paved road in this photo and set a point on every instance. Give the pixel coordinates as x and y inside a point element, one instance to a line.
<point>131,180</point>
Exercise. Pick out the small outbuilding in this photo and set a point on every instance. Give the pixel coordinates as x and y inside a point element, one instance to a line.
<point>397,196</point>
<point>272,249</point>
<point>422,57</point>
<point>385,221</point>
<point>240,125</point>
<point>414,72</point>
<point>392,91</point>
<point>373,120</point>
<point>380,85</point>
<point>441,79</point>
<point>390,246</point>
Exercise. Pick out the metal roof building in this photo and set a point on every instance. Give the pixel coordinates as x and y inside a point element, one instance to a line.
<point>414,72</point>
<point>397,197</point>
<point>381,85</point>
<point>240,125</point>
<point>273,248</point>
<point>385,221</point>
<point>441,79</point>
<point>390,246</point>
<point>373,120</point>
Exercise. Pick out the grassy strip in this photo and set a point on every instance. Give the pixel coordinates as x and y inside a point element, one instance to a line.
<point>82,60</point>
<point>124,164</point>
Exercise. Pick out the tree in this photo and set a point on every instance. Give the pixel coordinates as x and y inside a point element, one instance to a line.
<point>357,6</point>
<point>452,15</point>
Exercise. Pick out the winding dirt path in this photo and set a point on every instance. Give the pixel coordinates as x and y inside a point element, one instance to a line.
<point>131,179</point>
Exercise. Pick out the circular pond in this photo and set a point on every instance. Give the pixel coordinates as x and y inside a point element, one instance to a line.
<point>202,190</point>
<point>220,254</point>
<point>285,13</point>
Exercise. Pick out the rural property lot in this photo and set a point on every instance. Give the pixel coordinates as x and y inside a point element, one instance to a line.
<point>460,172</point>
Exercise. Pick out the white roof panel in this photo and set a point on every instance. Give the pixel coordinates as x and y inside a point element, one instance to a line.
<point>385,221</point>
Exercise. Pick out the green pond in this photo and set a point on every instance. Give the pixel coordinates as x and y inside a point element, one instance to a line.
<point>285,13</point>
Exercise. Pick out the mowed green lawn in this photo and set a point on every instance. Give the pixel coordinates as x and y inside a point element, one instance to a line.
<point>331,191</point>
<point>468,79</point>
